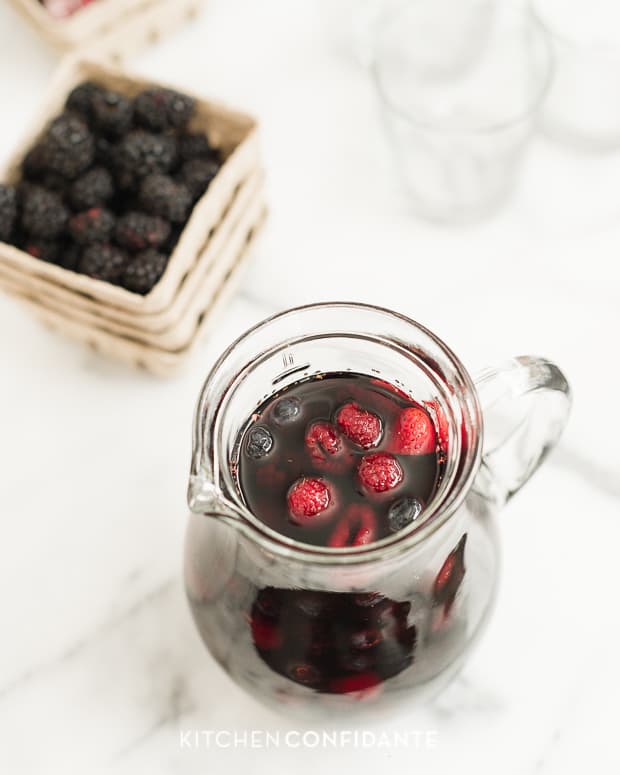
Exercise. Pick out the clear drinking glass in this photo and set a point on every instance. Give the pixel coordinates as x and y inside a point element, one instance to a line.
<point>583,105</point>
<point>397,617</point>
<point>458,139</point>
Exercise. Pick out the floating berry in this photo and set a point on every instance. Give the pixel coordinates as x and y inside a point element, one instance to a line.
<point>286,410</point>
<point>259,442</point>
<point>380,472</point>
<point>450,577</point>
<point>358,527</point>
<point>402,513</point>
<point>305,674</point>
<point>415,433</point>
<point>307,499</point>
<point>359,425</point>
<point>323,442</point>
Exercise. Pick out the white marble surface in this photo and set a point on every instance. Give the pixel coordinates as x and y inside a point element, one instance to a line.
<point>99,664</point>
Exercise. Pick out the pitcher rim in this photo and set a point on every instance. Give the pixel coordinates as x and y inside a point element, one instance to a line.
<point>437,514</point>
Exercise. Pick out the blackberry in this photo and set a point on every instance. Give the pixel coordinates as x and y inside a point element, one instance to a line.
<point>138,231</point>
<point>105,151</point>
<point>69,254</point>
<point>103,262</point>
<point>196,146</point>
<point>160,195</point>
<point>141,153</point>
<point>94,225</point>
<point>8,211</point>
<point>93,188</point>
<point>259,443</point>
<point>112,113</point>
<point>159,109</point>
<point>144,271</point>
<point>197,175</point>
<point>46,250</point>
<point>68,147</point>
<point>43,213</point>
<point>402,513</point>
<point>33,165</point>
<point>81,98</point>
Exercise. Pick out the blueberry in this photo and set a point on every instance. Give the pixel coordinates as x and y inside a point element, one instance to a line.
<point>286,410</point>
<point>259,443</point>
<point>403,512</point>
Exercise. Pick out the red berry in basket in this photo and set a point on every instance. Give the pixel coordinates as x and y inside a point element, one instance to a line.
<point>359,425</point>
<point>307,499</point>
<point>450,577</point>
<point>415,433</point>
<point>380,472</point>
<point>323,442</point>
<point>358,527</point>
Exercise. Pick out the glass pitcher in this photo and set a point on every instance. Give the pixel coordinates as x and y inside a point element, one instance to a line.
<point>321,631</point>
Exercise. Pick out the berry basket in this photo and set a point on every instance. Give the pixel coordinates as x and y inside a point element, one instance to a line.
<point>157,329</point>
<point>112,28</point>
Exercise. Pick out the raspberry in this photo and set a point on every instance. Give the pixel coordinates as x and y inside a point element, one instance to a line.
<point>286,410</point>
<point>43,213</point>
<point>359,682</point>
<point>158,109</point>
<point>265,634</point>
<point>380,472</point>
<point>450,577</point>
<point>415,433</point>
<point>308,498</point>
<point>112,113</point>
<point>94,225</point>
<point>144,271</point>
<point>93,188</point>
<point>141,153</point>
<point>323,442</point>
<point>103,262</point>
<point>68,148</point>
<point>81,98</point>
<point>359,425</point>
<point>259,442</point>
<point>137,231</point>
<point>196,146</point>
<point>197,175</point>
<point>8,211</point>
<point>160,195</point>
<point>402,513</point>
<point>357,527</point>
<point>46,250</point>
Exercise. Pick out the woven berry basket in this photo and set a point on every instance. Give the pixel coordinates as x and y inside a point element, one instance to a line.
<point>161,362</point>
<point>177,328</point>
<point>162,323</point>
<point>233,133</point>
<point>114,28</point>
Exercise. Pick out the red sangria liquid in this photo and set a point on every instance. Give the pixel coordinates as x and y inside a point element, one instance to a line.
<point>340,460</point>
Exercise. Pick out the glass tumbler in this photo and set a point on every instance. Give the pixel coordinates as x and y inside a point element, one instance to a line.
<point>583,106</point>
<point>458,139</point>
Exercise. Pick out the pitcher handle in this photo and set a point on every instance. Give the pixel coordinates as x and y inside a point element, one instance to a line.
<point>525,405</point>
